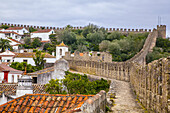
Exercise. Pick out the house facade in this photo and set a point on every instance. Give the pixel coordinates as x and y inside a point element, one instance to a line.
<point>43,34</point>
<point>28,57</point>
<point>19,30</point>
<point>9,75</point>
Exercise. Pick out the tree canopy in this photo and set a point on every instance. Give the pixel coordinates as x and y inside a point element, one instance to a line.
<point>4,44</point>
<point>39,60</point>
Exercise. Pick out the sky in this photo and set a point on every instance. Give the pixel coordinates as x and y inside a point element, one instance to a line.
<point>135,14</point>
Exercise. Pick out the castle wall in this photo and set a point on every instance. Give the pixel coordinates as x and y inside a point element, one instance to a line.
<point>151,84</point>
<point>122,30</point>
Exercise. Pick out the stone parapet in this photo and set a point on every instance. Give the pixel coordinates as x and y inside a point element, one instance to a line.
<point>151,84</point>
<point>95,104</point>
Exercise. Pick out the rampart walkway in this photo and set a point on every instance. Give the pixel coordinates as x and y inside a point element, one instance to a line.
<point>125,101</point>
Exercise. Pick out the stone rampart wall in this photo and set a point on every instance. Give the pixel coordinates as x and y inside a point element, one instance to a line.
<point>123,30</point>
<point>152,84</point>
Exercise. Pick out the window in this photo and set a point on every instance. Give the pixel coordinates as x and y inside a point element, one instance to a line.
<point>8,60</point>
<point>17,31</point>
<point>25,61</point>
<point>23,31</point>
<point>60,51</point>
<point>12,78</point>
<point>17,77</point>
<point>52,32</point>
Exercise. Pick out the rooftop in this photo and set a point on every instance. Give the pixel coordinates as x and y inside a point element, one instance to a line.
<point>4,67</point>
<point>7,53</point>
<point>62,44</point>
<point>15,40</point>
<point>9,32</point>
<point>42,31</point>
<point>15,28</point>
<point>30,55</point>
<point>45,103</point>
<point>49,69</point>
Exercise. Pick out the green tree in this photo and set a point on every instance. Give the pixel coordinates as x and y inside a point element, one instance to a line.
<point>115,36</point>
<point>68,37</point>
<point>114,48</point>
<point>54,87</point>
<point>82,48</point>
<point>21,66</point>
<point>39,60</point>
<point>36,43</point>
<point>27,41</point>
<point>104,45</point>
<point>4,44</point>
<point>32,29</point>
<point>91,28</point>
<point>46,46</point>
<point>4,26</point>
<point>96,37</point>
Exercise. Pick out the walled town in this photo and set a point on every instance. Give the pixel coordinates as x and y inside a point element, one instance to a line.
<point>50,70</point>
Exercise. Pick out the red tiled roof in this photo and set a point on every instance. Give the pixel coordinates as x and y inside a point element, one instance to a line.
<point>15,28</point>
<point>15,40</point>
<point>30,55</point>
<point>9,32</point>
<point>45,103</point>
<point>49,69</point>
<point>45,41</point>
<point>4,67</point>
<point>42,31</point>
<point>81,54</point>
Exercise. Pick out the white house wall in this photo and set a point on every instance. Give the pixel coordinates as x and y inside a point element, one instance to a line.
<point>4,59</point>
<point>1,76</point>
<point>15,77</point>
<point>21,32</point>
<point>64,50</point>
<point>43,36</point>
<point>50,60</point>
<point>31,61</point>
<point>2,35</point>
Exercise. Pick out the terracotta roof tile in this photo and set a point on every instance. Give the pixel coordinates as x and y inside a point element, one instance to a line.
<point>4,67</point>
<point>15,41</point>
<point>4,32</point>
<point>30,55</point>
<point>44,103</point>
<point>15,28</point>
<point>42,31</point>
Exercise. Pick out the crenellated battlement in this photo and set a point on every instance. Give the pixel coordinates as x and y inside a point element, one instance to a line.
<point>123,30</point>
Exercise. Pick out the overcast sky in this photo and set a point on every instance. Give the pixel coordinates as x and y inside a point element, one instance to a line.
<point>104,13</point>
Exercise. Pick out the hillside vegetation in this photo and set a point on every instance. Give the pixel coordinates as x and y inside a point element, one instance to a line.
<point>162,49</point>
<point>94,38</point>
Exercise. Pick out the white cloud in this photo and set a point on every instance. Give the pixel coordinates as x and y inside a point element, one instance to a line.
<point>108,13</point>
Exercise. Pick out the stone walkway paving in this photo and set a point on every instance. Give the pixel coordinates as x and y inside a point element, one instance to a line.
<point>125,101</point>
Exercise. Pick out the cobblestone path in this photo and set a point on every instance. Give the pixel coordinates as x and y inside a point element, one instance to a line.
<point>125,101</point>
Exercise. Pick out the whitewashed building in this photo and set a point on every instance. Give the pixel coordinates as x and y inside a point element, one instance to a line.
<point>9,75</point>
<point>14,43</point>
<point>7,56</point>
<point>19,30</point>
<point>42,34</point>
<point>61,49</point>
<point>28,57</point>
<point>11,34</point>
